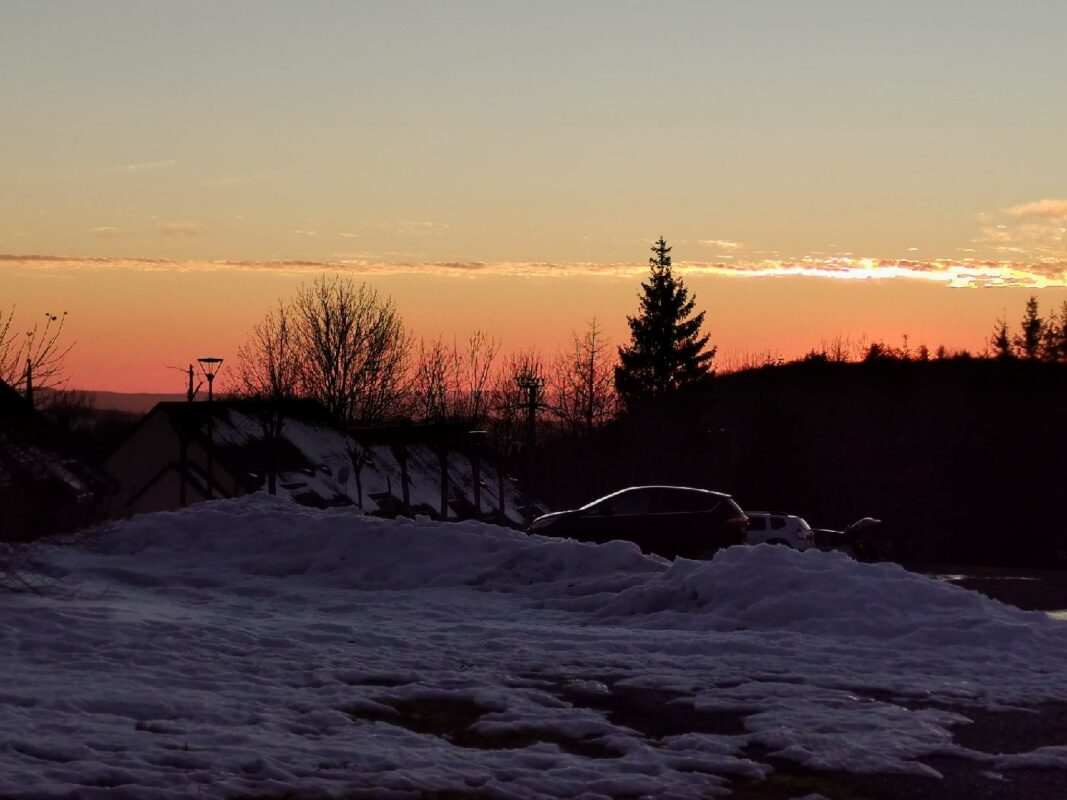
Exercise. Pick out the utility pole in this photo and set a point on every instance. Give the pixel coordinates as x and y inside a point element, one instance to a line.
<point>530,383</point>
<point>29,382</point>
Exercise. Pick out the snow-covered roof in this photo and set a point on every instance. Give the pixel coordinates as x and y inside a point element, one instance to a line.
<point>32,451</point>
<point>316,459</point>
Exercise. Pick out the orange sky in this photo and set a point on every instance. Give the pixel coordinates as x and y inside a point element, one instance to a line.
<point>822,168</point>
<point>132,324</point>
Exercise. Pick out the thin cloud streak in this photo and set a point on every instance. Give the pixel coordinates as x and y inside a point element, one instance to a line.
<point>146,166</point>
<point>180,228</point>
<point>958,273</point>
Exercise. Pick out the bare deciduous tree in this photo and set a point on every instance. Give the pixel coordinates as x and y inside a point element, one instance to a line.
<point>450,385</point>
<point>435,384</point>
<point>269,365</point>
<point>38,355</point>
<point>269,371</point>
<point>353,349</point>
<point>337,342</point>
<point>476,376</point>
<point>583,382</point>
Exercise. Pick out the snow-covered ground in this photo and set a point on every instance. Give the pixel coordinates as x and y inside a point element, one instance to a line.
<point>253,647</point>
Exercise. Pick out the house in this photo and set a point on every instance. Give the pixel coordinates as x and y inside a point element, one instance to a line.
<point>184,453</point>
<point>46,486</point>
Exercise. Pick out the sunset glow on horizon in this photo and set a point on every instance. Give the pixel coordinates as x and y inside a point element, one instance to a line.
<point>821,169</point>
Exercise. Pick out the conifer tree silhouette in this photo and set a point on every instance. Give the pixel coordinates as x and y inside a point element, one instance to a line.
<point>666,350</point>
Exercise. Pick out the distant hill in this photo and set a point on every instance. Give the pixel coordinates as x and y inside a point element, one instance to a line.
<point>137,403</point>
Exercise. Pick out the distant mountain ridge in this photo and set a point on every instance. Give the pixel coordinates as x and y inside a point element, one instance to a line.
<point>135,402</point>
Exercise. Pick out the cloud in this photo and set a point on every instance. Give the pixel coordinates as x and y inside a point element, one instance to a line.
<point>180,228</point>
<point>145,166</point>
<point>956,273</point>
<point>304,233</point>
<point>406,227</point>
<point>1035,230</point>
<point>349,235</point>
<point>722,244</point>
<point>1040,209</point>
<point>105,230</point>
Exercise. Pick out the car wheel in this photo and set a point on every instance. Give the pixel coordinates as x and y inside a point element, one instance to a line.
<point>864,550</point>
<point>779,541</point>
<point>705,553</point>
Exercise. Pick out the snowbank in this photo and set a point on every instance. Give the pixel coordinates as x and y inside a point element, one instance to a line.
<point>254,646</point>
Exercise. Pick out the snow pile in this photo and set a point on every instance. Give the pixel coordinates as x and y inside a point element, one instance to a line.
<point>256,647</point>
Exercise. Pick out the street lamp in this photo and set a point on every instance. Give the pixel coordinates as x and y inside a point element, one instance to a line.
<point>210,366</point>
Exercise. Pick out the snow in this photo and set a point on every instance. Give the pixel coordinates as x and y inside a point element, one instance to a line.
<point>254,647</point>
<point>327,450</point>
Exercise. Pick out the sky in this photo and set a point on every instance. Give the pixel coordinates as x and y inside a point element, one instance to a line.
<point>821,168</point>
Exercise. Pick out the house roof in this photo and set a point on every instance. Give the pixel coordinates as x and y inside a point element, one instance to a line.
<point>237,433</point>
<point>32,450</point>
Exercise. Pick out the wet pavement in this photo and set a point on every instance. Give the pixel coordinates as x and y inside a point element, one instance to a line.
<point>1028,589</point>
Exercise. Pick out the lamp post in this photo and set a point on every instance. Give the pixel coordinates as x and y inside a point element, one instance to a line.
<point>210,366</point>
<point>530,383</point>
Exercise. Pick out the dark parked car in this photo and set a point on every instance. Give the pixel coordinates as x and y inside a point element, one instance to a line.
<point>667,520</point>
<point>865,540</point>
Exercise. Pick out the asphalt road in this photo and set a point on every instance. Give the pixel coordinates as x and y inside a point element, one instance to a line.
<point>1032,590</point>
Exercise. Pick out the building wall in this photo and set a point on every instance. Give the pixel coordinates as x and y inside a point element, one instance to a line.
<point>146,468</point>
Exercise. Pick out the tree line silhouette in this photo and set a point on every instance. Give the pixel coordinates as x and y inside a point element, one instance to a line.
<point>853,427</point>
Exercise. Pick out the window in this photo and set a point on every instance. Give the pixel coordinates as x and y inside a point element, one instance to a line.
<point>757,523</point>
<point>777,523</point>
<point>633,501</point>
<point>680,501</point>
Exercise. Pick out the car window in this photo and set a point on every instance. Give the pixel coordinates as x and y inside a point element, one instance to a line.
<point>634,501</point>
<point>757,523</point>
<point>777,523</point>
<point>804,526</point>
<point>678,501</point>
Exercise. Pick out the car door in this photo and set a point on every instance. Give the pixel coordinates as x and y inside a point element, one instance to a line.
<point>618,516</point>
<point>757,529</point>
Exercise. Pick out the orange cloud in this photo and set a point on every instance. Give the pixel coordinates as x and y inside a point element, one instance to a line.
<point>1049,209</point>
<point>1037,230</point>
<point>722,244</point>
<point>955,273</point>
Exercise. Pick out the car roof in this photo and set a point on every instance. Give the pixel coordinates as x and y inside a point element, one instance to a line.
<point>772,514</point>
<point>661,486</point>
<point>657,486</point>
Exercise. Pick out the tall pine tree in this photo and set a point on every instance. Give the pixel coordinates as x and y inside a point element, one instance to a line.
<point>1031,331</point>
<point>666,350</point>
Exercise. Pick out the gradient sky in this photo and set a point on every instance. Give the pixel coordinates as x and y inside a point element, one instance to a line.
<point>505,165</point>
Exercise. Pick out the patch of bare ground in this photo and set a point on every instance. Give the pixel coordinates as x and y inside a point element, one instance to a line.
<point>655,714</point>
<point>452,719</point>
